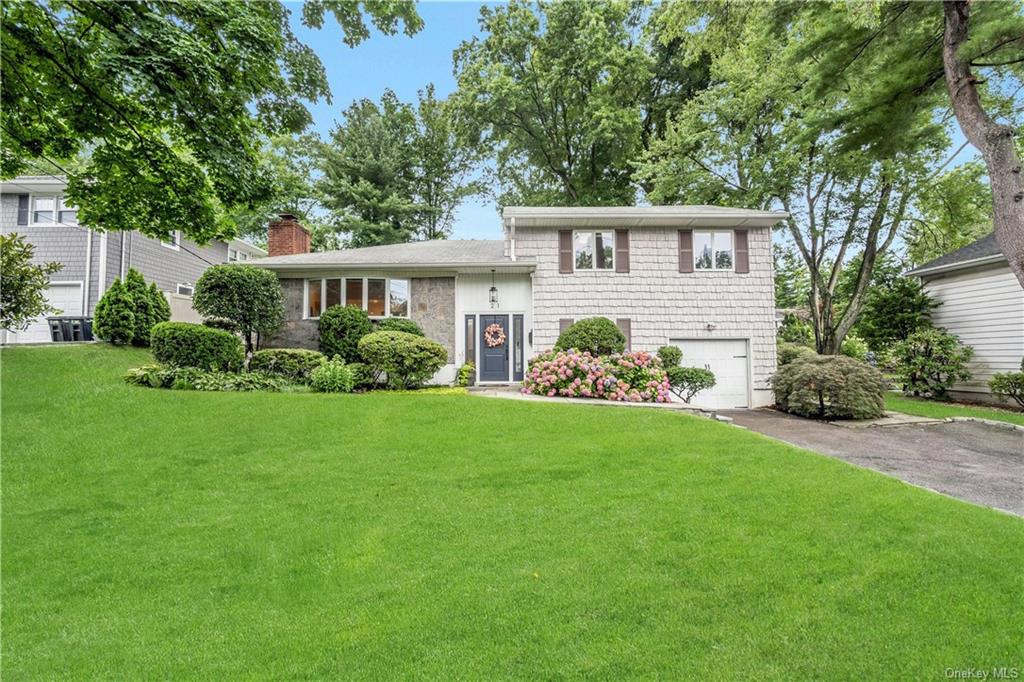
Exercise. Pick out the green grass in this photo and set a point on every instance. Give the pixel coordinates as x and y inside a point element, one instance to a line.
<point>166,534</point>
<point>941,410</point>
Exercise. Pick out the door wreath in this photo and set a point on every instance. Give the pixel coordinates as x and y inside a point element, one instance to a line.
<point>494,335</point>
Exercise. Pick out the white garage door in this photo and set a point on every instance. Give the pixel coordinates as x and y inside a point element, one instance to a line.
<point>67,298</point>
<point>727,358</point>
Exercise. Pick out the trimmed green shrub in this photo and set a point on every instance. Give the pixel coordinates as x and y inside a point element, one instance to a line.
<point>333,376</point>
<point>113,320</point>
<point>830,387</point>
<point>407,360</point>
<point>687,382</point>
<point>788,352</point>
<point>670,356</point>
<point>361,376</point>
<point>221,323</point>
<point>195,379</point>
<point>398,324</point>
<point>293,364</point>
<point>182,344</point>
<point>245,294</point>
<point>145,311</point>
<point>341,328</point>
<point>466,375</point>
<point>161,308</point>
<point>596,335</point>
<point>1009,385</point>
<point>930,361</point>
<point>854,347</point>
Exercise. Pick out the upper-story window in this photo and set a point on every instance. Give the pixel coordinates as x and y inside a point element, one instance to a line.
<point>712,250</point>
<point>236,255</point>
<point>174,242</point>
<point>378,296</point>
<point>594,250</point>
<point>53,209</point>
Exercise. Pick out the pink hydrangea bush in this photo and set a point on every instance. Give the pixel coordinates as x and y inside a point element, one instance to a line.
<point>627,377</point>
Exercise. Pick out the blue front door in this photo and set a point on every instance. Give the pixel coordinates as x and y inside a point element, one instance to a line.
<point>494,359</point>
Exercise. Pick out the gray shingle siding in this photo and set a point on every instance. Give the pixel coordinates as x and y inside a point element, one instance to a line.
<point>66,245</point>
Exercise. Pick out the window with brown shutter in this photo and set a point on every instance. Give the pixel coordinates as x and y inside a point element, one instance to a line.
<point>22,209</point>
<point>742,252</point>
<point>626,327</point>
<point>565,251</point>
<point>685,250</point>
<point>621,250</point>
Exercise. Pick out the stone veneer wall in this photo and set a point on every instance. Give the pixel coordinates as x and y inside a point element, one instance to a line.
<point>433,309</point>
<point>661,302</point>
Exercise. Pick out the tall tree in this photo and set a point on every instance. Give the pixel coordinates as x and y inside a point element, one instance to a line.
<point>369,172</point>
<point>555,89</point>
<point>751,139</point>
<point>445,166</point>
<point>169,98</point>
<point>792,284</point>
<point>953,210</point>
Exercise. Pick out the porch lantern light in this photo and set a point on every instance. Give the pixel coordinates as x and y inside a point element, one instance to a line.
<point>493,292</point>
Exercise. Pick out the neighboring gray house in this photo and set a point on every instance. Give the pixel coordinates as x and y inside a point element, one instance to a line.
<point>699,277</point>
<point>983,304</point>
<point>33,206</point>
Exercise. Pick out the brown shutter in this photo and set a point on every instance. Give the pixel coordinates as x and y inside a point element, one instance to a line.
<point>742,252</point>
<point>563,324</point>
<point>685,250</point>
<point>565,251</point>
<point>23,209</point>
<point>626,328</point>
<point>621,250</point>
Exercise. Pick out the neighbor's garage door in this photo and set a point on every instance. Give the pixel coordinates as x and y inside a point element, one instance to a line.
<point>727,358</point>
<point>66,298</point>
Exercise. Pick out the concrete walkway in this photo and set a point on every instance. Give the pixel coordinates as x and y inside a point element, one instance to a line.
<point>971,461</point>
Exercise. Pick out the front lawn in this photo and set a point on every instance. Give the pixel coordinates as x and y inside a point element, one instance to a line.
<point>940,410</point>
<point>157,534</point>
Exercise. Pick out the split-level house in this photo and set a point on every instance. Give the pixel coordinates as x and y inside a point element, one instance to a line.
<point>35,207</point>
<point>698,277</point>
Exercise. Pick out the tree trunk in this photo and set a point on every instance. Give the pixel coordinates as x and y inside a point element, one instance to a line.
<point>993,140</point>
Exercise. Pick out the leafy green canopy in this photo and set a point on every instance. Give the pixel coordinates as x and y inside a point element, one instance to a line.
<point>245,294</point>
<point>166,99</point>
<point>22,283</point>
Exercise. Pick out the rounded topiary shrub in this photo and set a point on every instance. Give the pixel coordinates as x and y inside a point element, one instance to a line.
<point>670,356</point>
<point>930,362</point>
<point>830,387</point>
<point>406,359</point>
<point>341,328</point>
<point>594,335</point>
<point>333,376</point>
<point>399,324</point>
<point>293,364</point>
<point>182,344</point>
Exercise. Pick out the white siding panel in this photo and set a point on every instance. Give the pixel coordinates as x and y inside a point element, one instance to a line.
<point>985,308</point>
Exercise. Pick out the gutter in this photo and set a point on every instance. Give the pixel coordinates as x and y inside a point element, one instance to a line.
<point>391,265</point>
<point>949,267</point>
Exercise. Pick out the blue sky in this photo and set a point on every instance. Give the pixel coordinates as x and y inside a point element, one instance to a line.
<point>404,65</point>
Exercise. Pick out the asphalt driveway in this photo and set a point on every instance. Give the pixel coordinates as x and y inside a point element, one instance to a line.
<point>972,461</point>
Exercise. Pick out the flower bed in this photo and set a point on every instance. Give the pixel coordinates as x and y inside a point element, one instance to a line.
<point>625,377</point>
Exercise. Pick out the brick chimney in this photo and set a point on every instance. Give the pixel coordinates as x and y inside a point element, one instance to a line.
<point>286,236</point>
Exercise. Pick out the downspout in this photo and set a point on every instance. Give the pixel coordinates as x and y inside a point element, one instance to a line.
<point>88,271</point>
<point>102,280</point>
<point>120,271</point>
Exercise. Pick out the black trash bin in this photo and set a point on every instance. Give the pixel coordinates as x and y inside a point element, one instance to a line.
<point>70,328</point>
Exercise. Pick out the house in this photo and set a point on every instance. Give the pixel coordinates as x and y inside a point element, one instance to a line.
<point>699,277</point>
<point>983,304</point>
<point>34,207</point>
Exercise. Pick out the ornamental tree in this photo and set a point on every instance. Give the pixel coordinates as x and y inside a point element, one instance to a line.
<point>245,294</point>
<point>113,320</point>
<point>22,283</point>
